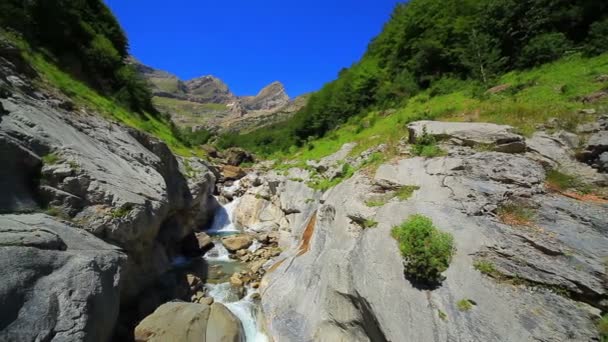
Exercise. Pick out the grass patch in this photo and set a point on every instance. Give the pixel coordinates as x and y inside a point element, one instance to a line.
<point>122,211</point>
<point>515,214</point>
<point>51,159</point>
<point>57,212</point>
<point>403,194</point>
<point>378,202</point>
<point>369,224</point>
<point>464,305</point>
<point>442,315</point>
<point>485,267</point>
<point>427,251</point>
<point>323,184</point>
<point>562,182</point>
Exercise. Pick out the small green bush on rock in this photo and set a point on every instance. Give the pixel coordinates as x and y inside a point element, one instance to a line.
<point>427,252</point>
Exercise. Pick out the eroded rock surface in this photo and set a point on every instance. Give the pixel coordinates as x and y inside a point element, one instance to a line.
<point>547,277</point>
<point>120,185</point>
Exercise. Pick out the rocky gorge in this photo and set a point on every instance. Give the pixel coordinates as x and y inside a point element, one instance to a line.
<point>106,234</point>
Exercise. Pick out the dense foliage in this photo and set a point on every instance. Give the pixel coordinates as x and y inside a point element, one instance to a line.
<point>434,44</point>
<point>85,39</point>
<point>426,250</point>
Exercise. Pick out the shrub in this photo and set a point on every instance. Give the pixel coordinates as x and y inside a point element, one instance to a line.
<point>485,267</point>
<point>426,146</point>
<point>597,42</point>
<point>427,252</point>
<point>544,48</point>
<point>50,159</point>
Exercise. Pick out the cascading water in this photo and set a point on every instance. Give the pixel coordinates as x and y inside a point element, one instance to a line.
<point>245,309</point>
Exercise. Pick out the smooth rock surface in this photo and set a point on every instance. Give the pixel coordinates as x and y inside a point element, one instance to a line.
<point>58,283</point>
<point>180,321</point>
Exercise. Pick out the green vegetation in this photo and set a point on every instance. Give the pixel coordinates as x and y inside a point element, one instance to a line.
<point>515,213</point>
<point>562,182</point>
<point>403,194</point>
<point>323,184</point>
<point>426,146</point>
<point>426,250</point>
<point>437,58</point>
<point>370,224</point>
<point>442,315</point>
<point>57,212</point>
<point>464,305</point>
<point>122,211</point>
<point>602,327</point>
<point>84,96</point>
<point>51,159</point>
<point>485,267</point>
<point>84,39</point>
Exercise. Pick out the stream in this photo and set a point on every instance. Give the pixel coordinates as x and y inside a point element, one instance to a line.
<point>221,267</point>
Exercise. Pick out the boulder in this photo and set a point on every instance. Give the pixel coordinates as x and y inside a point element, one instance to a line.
<point>236,156</point>
<point>500,137</point>
<point>253,210</point>
<point>178,321</point>
<point>58,283</point>
<point>223,325</point>
<point>205,242</point>
<point>232,172</point>
<point>237,242</point>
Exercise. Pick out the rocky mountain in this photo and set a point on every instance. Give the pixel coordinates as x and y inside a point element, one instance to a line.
<point>207,101</point>
<point>269,98</point>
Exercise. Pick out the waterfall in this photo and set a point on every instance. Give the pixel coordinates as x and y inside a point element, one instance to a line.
<point>222,220</point>
<point>245,309</point>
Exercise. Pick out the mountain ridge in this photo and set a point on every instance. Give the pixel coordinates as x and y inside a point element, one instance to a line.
<point>208,102</point>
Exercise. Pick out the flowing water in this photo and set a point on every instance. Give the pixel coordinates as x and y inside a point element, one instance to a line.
<point>247,310</point>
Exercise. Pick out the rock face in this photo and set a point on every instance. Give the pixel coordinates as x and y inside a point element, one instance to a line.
<point>118,184</point>
<point>271,97</point>
<point>545,279</point>
<point>209,89</point>
<point>190,322</point>
<point>58,282</point>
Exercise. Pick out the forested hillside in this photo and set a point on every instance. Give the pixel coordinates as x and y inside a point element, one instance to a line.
<point>85,40</point>
<point>435,45</point>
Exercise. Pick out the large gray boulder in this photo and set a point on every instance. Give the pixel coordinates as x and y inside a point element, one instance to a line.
<point>58,283</point>
<point>180,321</point>
<point>501,137</point>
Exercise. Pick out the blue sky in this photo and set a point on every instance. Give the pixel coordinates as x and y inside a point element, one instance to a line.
<point>249,44</point>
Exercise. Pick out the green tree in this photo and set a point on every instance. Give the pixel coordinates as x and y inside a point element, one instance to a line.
<point>482,56</point>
